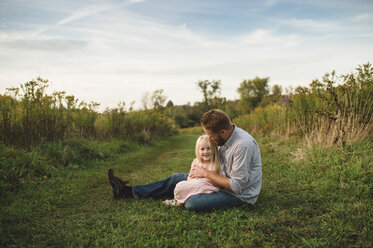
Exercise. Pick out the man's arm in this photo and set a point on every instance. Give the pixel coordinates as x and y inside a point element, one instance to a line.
<point>198,172</point>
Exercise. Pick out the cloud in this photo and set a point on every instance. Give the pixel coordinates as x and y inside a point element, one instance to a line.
<point>270,3</point>
<point>43,45</point>
<point>364,17</point>
<point>95,9</point>
<point>109,53</point>
<point>267,38</point>
<point>83,12</point>
<point>135,1</point>
<point>312,25</point>
<point>87,11</point>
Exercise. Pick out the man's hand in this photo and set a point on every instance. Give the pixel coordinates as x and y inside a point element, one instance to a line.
<point>198,172</point>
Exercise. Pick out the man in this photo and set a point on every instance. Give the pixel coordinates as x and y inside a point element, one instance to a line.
<point>241,168</point>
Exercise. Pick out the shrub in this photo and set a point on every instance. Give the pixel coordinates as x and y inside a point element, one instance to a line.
<point>29,116</point>
<point>33,117</point>
<point>335,110</point>
<point>264,120</point>
<point>17,166</point>
<point>139,126</point>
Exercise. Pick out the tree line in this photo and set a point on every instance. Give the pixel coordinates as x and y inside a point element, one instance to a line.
<point>333,110</point>
<point>253,93</point>
<point>29,116</point>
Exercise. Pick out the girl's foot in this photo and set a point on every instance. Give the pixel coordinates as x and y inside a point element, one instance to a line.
<point>172,202</point>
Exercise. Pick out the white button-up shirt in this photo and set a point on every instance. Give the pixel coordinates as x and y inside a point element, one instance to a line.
<point>241,163</point>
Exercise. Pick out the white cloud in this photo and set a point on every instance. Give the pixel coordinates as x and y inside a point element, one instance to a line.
<point>270,3</point>
<point>83,12</point>
<point>135,1</point>
<point>87,11</point>
<point>312,25</point>
<point>364,17</point>
<point>267,38</point>
<point>42,45</point>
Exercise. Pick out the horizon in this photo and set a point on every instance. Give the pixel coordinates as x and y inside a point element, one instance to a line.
<point>114,51</point>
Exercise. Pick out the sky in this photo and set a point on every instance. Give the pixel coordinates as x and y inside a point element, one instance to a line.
<point>115,51</point>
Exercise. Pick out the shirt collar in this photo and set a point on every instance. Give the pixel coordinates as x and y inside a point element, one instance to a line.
<point>231,138</point>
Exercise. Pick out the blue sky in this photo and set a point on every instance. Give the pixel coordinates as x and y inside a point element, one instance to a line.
<point>113,51</point>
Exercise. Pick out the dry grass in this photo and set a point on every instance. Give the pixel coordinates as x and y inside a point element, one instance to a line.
<point>349,127</point>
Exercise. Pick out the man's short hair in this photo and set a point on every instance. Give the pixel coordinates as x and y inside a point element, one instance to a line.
<point>216,120</point>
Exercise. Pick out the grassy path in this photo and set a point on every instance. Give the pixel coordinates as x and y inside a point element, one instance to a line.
<point>309,199</point>
<point>77,207</point>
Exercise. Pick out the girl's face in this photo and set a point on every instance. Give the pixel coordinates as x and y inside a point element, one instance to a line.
<point>204,150</point>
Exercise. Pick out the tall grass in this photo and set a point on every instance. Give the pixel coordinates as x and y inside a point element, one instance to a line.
<point>139,126</point>
<point>264,120</point>
<point>29,117</point>
<point>336,110</point>
<point>39,133</point>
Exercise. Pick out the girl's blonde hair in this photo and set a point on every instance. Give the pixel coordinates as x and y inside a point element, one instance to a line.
<point>214,160</point>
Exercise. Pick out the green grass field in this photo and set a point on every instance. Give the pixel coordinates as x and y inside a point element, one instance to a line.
<point>311,197</point>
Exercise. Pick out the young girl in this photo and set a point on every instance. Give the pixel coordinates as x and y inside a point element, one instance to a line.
<point>206,157</point>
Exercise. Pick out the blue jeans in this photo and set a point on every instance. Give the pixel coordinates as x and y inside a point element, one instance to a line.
<point>201,202</point>
<point>164,188</point>
<point>207,202</point>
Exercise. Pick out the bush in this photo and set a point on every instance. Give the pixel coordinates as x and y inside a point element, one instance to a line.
<point>197,130</point>
<point>33,117</point>
<point>138,126</point>
<point>264,120</point>
<point>328,112</point>
<point>17,166</point>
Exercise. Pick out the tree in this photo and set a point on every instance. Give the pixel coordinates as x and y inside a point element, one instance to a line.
<point>274,97</point>
<point>252,92</point>
<point>169,104</point>
<point>158,99</point>
<point>145,101</point>
<point>155,101</point>
<point>211,93</point>
<point>276,91</point>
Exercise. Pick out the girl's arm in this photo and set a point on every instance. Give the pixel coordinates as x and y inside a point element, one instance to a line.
<point>198,172</point>
<point>191,168</point>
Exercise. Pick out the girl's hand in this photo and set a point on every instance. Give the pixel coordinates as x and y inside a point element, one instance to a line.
<point>198,172</point>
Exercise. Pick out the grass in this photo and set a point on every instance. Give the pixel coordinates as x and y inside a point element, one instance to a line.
<point>311,197</point>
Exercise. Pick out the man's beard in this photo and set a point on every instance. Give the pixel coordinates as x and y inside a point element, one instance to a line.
<point>219,141</point>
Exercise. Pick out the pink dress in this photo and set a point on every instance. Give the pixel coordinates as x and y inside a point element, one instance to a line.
<point>185,189</point>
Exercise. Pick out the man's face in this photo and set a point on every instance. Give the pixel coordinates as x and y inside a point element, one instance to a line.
<point>217,138</point>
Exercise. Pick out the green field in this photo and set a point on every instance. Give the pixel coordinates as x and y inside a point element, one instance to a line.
<point>311,197</point>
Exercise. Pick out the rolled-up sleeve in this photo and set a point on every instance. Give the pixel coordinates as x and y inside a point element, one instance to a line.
<point>239,175</point>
